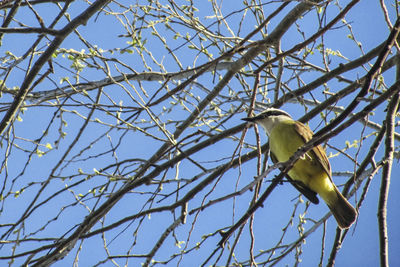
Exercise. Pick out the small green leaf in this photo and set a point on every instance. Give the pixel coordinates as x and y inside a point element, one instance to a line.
<point>39,153</point>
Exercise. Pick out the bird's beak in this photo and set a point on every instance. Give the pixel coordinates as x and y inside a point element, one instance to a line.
<point>250,119</point>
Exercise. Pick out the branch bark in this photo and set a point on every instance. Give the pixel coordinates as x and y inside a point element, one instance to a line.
<point>385,182</point>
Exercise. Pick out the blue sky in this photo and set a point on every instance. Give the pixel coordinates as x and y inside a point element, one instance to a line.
<point>63,212</point>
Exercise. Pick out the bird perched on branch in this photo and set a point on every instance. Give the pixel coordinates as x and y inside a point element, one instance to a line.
<point>311,173</point>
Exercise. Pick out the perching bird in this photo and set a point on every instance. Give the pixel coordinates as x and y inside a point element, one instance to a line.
<point>311,174</point>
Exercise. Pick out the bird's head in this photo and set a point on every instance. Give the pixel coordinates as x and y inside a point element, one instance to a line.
<point>268,118</point>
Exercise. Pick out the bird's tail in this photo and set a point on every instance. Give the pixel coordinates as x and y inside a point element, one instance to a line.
<point>342,210</point>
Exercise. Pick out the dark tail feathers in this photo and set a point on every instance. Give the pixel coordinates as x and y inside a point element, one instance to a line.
<point>343,211</point>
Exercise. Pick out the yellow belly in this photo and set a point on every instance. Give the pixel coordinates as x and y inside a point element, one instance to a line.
<point>284,142</point>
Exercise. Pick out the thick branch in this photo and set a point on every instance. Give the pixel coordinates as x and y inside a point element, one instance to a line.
<point>385,182</point>
<point>29,30</point>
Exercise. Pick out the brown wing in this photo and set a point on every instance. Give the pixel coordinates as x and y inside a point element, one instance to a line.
<point>301,187</point>
<point>319,153</point>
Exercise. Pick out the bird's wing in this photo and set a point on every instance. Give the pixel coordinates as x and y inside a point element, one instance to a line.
<point>319,153</point>
<point>300,186</point>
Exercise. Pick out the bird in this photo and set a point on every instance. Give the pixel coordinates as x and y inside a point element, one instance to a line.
<point>311,174</point>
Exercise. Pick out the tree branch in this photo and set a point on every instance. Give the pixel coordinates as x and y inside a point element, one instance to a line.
<point>385,182</point>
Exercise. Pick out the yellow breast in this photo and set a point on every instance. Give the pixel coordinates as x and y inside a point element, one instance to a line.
<point>284,142</point>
